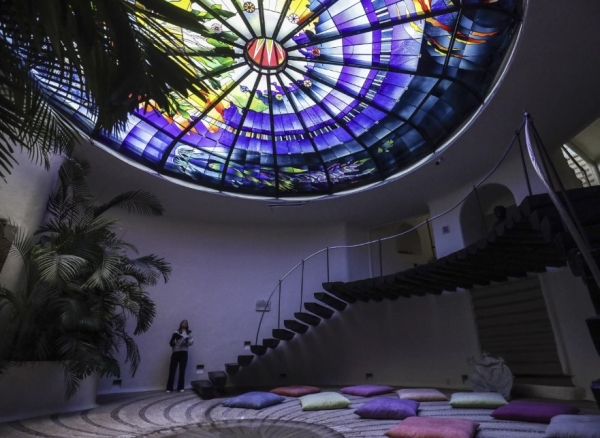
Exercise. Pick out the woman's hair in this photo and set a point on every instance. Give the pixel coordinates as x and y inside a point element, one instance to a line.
<point>187,329</point>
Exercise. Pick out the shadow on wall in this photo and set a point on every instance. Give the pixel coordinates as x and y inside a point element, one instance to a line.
<point>482,210</point>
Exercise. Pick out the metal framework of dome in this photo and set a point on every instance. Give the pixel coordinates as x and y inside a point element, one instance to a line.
<point>308,98</point>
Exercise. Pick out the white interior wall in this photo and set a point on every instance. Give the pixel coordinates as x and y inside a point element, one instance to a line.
<point>569,305</point>
<point>420,341</point>
<point>219,272</point>
<point>23,199</point>
<point>391,260</point>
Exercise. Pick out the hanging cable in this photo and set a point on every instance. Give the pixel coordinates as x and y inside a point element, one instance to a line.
<point>524,163</point>
<point>302,286</point>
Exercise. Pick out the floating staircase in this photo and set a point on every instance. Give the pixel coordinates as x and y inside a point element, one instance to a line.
<point>530,240</point>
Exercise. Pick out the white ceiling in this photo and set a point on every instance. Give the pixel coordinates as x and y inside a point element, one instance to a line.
<point>554,75</point>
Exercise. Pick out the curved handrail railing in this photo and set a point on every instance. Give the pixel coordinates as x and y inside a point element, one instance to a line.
<point>481,181</point>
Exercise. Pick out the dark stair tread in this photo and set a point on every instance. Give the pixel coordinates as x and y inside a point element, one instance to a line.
<point>204,388</point>
<point>295,326</point>
<point>232,368</point>
<point>202,383</point>
<point>337,291</point>
<point>307,318</point>
<point>218,378</point>
<point>259,350</point>
<point>331,301</point>
<point>271,342</point>
<point>245,359</point>
<point>283,334</point>
<point>317,309</point>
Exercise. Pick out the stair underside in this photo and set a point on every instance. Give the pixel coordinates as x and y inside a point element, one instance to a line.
<point>331,301</point>
<point>525,242</point>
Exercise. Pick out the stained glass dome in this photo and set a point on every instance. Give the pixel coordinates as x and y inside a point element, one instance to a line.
<point>308,98</point>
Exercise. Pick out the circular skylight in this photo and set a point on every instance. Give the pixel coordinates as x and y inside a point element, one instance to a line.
<point>316,97</point>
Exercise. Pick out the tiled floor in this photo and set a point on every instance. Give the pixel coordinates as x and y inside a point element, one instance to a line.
<point>158,414</point>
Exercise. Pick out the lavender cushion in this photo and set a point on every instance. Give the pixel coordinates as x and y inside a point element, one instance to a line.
<point>254,400</point>
<point>422,394</point>
<point>367,390</point>
<point>534,412</point>
<point>430,427</point>
<point>574,426</point>
<point>386,408</point>
<point>296,390</point>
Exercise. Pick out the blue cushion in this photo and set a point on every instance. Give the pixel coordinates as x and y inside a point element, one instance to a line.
<point>574,426</point>
<point>254,400</point>
<point>387,408</point>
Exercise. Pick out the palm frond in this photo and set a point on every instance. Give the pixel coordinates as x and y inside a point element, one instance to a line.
<point>106,270</point>
<point>147,269</point>
<point>59,268</point>
<point>139,202</point>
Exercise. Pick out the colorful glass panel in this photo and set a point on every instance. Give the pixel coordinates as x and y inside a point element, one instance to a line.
<point>314,97</point>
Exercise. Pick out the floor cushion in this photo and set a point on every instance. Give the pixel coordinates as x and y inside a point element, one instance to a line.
<point>254,400</point>
<point>323,400</point>
<point>295,390</point>
<point>430,427</point>
<point>367,390</point>
<point>386,408</point>
<point>534,412</point>
<point>422,394</point>
<point>477,400</point>
<point>574,426</point>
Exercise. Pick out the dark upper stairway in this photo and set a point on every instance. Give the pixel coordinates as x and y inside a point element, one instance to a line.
<point>531,239</point>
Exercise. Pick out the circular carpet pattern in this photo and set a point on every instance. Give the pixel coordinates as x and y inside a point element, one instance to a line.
<point>156,414</point>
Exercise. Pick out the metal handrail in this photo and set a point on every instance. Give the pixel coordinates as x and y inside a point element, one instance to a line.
<point>379,240</point>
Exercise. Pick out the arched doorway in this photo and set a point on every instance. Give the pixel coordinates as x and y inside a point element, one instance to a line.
<point>483,209</point>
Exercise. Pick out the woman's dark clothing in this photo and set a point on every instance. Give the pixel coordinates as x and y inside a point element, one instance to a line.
<point>180,343</point>
<point>178,359</point>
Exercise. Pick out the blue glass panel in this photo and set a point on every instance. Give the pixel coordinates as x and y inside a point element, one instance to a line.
<point>344,92</point>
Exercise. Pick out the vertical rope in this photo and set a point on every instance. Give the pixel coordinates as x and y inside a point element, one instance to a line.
<point>327,264</point>
<point>302,286</point>
<point>517,133</point>
<point>279,307</point>
<point>380,260</point>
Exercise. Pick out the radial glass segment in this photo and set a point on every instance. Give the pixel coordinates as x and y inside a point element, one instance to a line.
<point>316,97</point>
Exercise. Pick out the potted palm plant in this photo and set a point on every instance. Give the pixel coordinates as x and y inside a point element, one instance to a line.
<point>82,285</point>
<point>118,53</point>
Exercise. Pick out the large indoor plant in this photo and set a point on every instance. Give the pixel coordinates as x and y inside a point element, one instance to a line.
<point>117,52</point>
<point>81,285</point>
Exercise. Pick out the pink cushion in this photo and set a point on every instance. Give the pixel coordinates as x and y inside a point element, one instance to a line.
<point>296,390</point>
<point>534,412</point>
<point>429,427</point>
<point>367,390</point>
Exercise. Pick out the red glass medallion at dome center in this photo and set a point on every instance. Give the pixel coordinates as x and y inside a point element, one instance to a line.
<point>266,54</point>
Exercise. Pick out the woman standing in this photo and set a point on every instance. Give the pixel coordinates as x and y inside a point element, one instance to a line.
<point>180,341</point>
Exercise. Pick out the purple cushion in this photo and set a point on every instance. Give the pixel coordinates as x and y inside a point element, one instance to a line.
<point>296,390</point>
<point>534,412</point>
<point>429,427</point>
<point>254,400</point>
<point>386,408</point>
<point>367,390</point>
